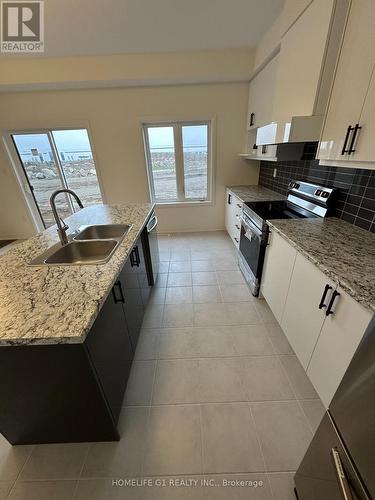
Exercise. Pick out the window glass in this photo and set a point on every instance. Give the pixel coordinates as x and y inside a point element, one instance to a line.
<point>195,152</point>
<point>163,162</point>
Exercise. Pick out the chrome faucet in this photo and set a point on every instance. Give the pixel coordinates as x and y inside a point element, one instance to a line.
<point>61,225</point>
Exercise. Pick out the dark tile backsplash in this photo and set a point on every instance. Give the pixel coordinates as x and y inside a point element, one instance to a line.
<point>356,200</point>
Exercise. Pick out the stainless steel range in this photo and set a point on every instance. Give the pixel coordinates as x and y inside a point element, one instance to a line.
<point>304,200</point>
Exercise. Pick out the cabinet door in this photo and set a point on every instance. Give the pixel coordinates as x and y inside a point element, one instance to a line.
<point>261,92</point>
<point>303,319</point>
<point>352,79</point>
<point>232,217</point>
<point>341,333</point>
<point>134,283</point>
<point>301,60</point>
<point>277,272</point>
<point>110,350</point>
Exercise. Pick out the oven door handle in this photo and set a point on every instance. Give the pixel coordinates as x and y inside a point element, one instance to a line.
<point>247,224</point>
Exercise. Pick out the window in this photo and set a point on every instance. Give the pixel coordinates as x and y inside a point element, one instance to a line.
<point>178,157</point>
<point>56,159</point>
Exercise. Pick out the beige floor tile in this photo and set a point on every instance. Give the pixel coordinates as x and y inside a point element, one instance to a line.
<point>103,489</point>
<point>147,346</point>
<point>202,265</point>
<point>251,340</point>
<point>182,266</point>
<point>314,411</point>
<point>43,490</point>
<point>176,316</point>
<point>179,295</point>
<point>164,255</point>
<point>5,487</point>
<point>122,458</point>
<point>265,379</point>
<point>213,342</point>
<point>284,434</point>
<point>229,263</point>
<point>199,255</point>
<point>153,316</point>
<point>179,279</point>
<point>182,254</point>
<point>221,380</point>
<point>164,267</point>
<point>282,485</point>
<point>264,311</point>
<point>298,378</point>
<point>206,294</point>
<point>176,381</point>
<point>278,339</point>
<point>204,278</point>
<point>173,441</point>
<point>141,379</point>
<point>230,278</point>
<point>12,459</point>
<point>241,313</point>
<point>229,439</point>
<point>166,488</point>
<point>236,293</point>
<point>210,315</point>
<point>235,487</point>
<point>157,296</point>
<point>161,280</point>
<point>174,345</point>
<point>55,461</point>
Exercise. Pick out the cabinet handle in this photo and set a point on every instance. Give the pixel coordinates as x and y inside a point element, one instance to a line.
<point>252,116</point>
<point>322,300</point>
<point>344,150</point>
<point>239,206</point>
<point>134,257</point>
<point>121,299</point>
<point>330,305</point>
<point>237,226</point>
<point>356,129</point>
<point>229,199</point>
<point>236,239</point>
<point>340,473</point>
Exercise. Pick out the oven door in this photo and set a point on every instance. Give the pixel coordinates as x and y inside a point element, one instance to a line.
<point>252,249</point>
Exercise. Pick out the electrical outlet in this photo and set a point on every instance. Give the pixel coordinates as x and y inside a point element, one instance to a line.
<point>275,172</point>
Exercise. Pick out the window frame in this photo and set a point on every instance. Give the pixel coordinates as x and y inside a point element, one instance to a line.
<point>18,170</point>
<point>177,125</point>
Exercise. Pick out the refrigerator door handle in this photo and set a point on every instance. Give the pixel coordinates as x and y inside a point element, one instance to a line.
<point>341,477</point>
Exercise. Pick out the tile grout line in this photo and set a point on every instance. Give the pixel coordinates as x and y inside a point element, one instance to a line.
<point>20,471</point>
<point>202,438</point>
<point>89,447</point>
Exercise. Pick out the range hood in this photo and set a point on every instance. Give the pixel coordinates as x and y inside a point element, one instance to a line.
<point>299,129</point>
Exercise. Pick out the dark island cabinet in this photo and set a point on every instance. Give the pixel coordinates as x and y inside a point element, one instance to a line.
<point>73,392</point>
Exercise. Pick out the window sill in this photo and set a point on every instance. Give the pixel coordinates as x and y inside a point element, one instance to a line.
<point>163,204</point>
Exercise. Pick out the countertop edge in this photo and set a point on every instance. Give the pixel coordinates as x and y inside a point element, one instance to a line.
<point>341,282</point>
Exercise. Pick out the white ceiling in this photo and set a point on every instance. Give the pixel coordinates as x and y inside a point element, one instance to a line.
<point>98,27</point>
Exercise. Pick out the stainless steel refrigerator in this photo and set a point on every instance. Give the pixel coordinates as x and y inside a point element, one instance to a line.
<point>340,462</point>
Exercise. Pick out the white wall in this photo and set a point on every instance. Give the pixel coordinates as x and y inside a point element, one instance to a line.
<point>114,117</point>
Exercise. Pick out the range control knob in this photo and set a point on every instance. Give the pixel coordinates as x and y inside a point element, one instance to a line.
<point>296,185</point>
<point>318,192</point>
<point>325,194</point>
<point>292,184</point>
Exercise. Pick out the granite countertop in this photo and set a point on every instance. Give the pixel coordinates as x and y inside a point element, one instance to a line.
<point>345,253</point>
<point>255,193</point>
<point>58,304</point>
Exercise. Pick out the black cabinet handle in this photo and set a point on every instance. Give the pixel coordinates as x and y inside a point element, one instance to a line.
<point>252,116</point>
<point>330,305</point>
<point>236,239</point>
<point>322,300</point>
<point>134,257</point>
<point>344,150</point>
<point>119,287</point>
<point>239,206</point>
<point>229,199</point>
<point>356,129</point>
<point>237,226</point>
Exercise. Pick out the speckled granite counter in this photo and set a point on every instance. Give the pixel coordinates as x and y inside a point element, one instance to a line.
<point>255,193</point>
<point>58,304</point>
<point>344,252</point>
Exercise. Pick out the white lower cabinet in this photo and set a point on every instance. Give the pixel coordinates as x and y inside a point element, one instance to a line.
<point>339,338</point>
<point>303,319</point>
<point>323,324</point>
<point>278,268</point>
<point>233,212</point>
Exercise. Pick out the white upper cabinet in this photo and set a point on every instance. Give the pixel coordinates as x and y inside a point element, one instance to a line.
<point>261,92</point>
<point>348,104</point>
<point>301,62</point>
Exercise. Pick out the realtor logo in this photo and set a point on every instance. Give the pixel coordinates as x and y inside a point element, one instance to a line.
<point>22,26</point>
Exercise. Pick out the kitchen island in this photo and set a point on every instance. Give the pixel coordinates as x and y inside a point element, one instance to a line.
<point>68,333</point>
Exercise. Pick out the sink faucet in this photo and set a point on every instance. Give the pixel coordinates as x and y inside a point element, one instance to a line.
<point>61,225</point>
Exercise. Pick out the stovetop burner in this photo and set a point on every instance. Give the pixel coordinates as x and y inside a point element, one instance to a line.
<point>268,210</point>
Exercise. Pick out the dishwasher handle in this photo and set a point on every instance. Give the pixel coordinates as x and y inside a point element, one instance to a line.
<point>341,477</point>
<point>154,222</point>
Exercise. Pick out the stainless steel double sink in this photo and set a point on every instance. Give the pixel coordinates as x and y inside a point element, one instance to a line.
<point>90,245</point>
